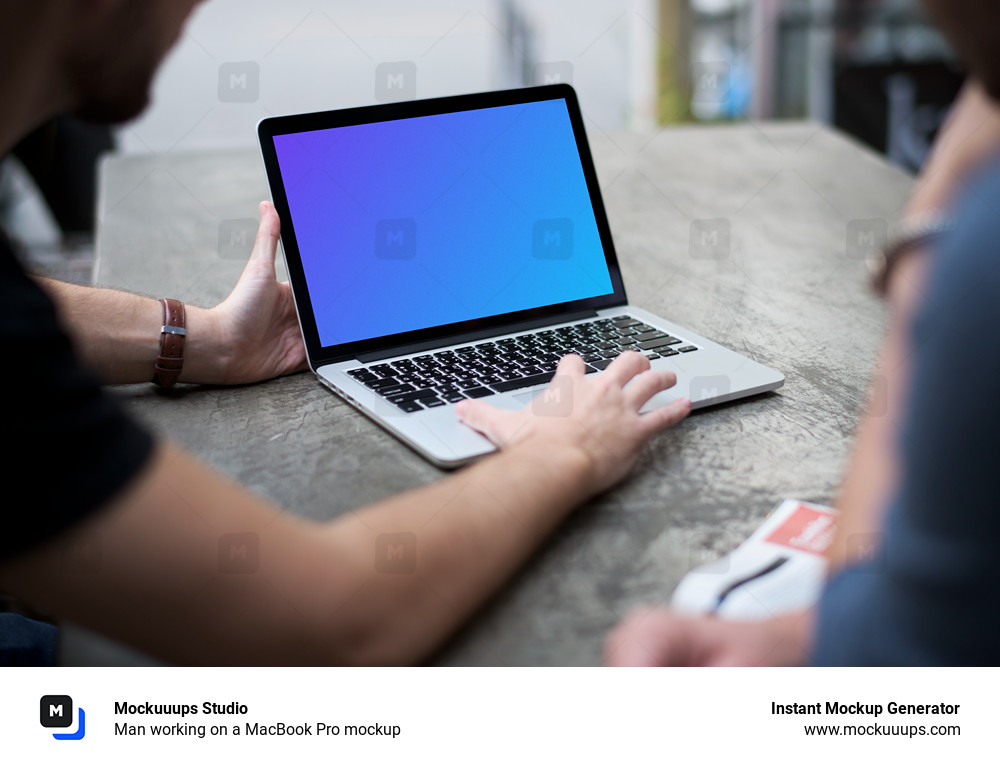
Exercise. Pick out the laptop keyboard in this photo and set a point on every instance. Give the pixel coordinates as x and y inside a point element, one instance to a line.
<point>516,362</point>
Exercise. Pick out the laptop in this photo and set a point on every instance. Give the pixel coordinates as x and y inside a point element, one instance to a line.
<point>456,248</point>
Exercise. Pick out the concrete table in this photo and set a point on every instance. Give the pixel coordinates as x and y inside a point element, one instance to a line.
<point>747,234</point>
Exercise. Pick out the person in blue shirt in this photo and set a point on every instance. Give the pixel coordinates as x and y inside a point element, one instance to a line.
<point>923,476</point>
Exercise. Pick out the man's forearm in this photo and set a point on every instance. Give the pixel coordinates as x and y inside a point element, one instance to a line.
<point>463,537</point>
<point>117,334</point>
<point>307,593</point>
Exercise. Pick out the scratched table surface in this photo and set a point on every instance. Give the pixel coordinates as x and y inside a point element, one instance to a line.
<point>788,208</point>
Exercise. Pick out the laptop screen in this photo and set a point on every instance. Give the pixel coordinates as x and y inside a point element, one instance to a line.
<point>419,222</point>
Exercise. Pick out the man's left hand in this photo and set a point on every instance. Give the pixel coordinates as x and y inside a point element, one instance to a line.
<point>257,324</point>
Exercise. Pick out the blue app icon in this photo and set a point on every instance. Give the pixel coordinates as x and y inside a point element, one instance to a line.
<point>57,711</point>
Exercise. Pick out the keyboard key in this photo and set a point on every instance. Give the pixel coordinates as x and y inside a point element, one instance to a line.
<point>666,351</point>
<point>453,396</point>
<point>601,364</point>
<point>395,399</point>
<point>409,406</point>
<point>650,335</point>
<point>534,380</point>
<point>525,382</point>
<point>658,342</point>
<point>390,391</point>
<point>379,384</point>
<point>625,322</point>
<point>477,392</point>
<point>429,403</point>
<point>688,349</point>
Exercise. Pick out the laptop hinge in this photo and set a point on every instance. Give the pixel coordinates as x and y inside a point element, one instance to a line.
<point>478,335</point>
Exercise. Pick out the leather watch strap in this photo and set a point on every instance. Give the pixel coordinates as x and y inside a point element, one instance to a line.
<point>167,367</point>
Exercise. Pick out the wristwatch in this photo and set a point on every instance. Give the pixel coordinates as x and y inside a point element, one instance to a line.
<point>167,367</point>
<point>909,234</point>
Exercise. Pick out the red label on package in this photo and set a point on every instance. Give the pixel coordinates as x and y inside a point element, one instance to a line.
<point>806,529</point>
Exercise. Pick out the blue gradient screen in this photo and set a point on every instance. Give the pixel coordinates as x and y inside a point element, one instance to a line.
<point>425,221</point>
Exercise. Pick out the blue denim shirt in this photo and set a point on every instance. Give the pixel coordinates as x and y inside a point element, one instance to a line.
<point>931,596</point>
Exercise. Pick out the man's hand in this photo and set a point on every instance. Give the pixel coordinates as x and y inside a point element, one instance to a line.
<point>251,336</point>
<point>597,415</point>
<point>657,637</point>
<point>257,324</point>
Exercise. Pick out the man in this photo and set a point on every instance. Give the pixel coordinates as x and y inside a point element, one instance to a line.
<point>921,483</point>
<point>84,473</point>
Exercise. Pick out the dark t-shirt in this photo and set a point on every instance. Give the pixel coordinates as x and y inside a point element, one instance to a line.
<point>931,596</point>
<point>69,446</point>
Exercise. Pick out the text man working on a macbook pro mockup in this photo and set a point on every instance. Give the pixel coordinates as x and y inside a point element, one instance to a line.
<point>93,473</point>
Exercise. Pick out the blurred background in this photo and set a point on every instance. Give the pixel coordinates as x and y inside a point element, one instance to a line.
<point>875,69</point>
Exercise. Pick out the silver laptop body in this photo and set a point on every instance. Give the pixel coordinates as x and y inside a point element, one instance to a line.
<point>409,381</point>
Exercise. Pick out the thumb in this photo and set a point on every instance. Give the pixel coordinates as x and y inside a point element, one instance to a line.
<point>266,245</point>
<point>484,418</point>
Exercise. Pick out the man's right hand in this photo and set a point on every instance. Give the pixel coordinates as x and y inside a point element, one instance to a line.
<point>596,416</point>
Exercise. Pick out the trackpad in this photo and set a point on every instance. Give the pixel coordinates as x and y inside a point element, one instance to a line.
<point>527,395</point>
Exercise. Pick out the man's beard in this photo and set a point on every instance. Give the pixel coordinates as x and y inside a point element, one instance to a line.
<point>113,103</point>
<point>114,111</point>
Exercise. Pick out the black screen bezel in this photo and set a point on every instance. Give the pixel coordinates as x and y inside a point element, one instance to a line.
<point>275,126</point>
